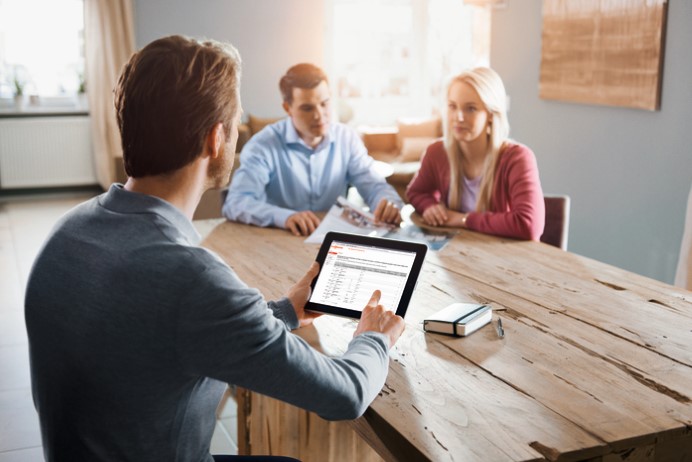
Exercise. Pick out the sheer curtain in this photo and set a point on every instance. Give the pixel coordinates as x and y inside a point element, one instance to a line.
<point>109,42</point>
<point>683,276</point>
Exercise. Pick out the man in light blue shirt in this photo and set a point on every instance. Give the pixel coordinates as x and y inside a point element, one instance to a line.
<point>301,164</point>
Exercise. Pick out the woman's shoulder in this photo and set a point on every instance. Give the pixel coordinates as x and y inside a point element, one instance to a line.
<point>513,151</point>
<point>435,156</point>
<point>436,149</point>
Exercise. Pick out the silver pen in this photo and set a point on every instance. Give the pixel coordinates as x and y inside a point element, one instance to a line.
<point>500,330</point>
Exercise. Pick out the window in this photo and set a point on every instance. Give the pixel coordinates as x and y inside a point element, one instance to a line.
<point>42,49</point>
<point>390,58</point>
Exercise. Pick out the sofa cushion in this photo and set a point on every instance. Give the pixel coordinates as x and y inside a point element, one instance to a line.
<point>380,139</point>
<point>243,135</point>
<point>258,123</point>
<point>413,147</point>
<point>407,128</point>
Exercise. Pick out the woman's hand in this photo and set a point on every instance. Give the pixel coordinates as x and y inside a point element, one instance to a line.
<point>456,219</point>
<point>436,215</point>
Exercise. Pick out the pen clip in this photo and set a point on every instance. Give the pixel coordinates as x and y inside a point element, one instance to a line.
<point>500,330</point>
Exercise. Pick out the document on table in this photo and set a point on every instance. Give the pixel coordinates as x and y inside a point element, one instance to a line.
<point>345,217</point>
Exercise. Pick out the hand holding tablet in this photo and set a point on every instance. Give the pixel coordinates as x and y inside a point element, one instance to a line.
<point>299,293</point>
<point>352,267</point>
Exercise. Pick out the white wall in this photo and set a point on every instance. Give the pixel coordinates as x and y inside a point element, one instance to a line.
<point>271,36</point>
<point>628,171</point>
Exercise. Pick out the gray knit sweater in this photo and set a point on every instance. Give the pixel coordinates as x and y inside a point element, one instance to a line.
<point>133,330</point>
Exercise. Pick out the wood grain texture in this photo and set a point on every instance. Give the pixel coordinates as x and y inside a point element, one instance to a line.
<point>603,52</point>
<point>595,364</point>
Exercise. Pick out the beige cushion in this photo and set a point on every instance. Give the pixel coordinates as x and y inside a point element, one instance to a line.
<point>381,140</point>
<point>413,147</point>
<point>430,128</point>
<point>243,136</point>
<point>384,156</point>
<point>256,123</point>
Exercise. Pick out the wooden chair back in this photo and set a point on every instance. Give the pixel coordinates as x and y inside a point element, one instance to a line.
<point>556,230</point>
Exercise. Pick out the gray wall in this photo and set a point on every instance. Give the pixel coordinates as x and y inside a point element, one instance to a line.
<point>627,171</point>
<point>271,36</point>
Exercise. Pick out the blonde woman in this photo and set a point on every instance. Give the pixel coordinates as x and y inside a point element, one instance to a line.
<point>477,178</point>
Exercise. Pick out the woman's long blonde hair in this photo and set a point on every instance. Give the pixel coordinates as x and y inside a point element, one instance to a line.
<point>491,91</point>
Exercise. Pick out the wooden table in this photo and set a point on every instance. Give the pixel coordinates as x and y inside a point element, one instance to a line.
<point>596,362</point>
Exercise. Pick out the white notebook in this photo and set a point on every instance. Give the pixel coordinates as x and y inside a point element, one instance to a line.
<point>459,319</point>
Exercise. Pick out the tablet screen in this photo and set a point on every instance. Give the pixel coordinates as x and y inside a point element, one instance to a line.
<point>353,267</point>
<point>352,272</point>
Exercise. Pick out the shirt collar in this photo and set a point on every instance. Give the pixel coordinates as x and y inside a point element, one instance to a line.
<point>120,200</point>
<point>293,139</point>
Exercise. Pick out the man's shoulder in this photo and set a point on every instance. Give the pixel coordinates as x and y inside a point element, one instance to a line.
<point>272,130</point>
<point>80,214</point>
<point>270,136</point>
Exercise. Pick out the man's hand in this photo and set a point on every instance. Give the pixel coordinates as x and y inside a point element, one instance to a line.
<point>436,215</point>
<point>302,223</point>
<point>376,318</point>
<point>387,212</point>
<point>300,293</point>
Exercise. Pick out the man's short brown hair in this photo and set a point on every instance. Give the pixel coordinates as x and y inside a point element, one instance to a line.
<point>303,75</point>
<point>169,96</point>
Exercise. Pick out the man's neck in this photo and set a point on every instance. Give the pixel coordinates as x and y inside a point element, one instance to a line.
<point>309,140</point>
<point>312,141</point>
<point>182,188</point>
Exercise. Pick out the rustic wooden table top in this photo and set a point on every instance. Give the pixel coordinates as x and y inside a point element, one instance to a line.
<point>596,361</point>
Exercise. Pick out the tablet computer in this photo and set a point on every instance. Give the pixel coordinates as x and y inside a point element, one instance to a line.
<point>353,266</point>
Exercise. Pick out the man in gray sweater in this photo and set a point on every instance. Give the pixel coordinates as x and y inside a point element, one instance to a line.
<point>134,329</point>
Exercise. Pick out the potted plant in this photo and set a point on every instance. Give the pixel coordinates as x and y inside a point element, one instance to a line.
<point>18,93</point>
<point>81,91</point>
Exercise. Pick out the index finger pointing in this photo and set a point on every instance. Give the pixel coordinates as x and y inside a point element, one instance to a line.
<point>375,298</point>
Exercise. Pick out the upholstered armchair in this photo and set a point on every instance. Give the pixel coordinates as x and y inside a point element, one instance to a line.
<point>402,146</point>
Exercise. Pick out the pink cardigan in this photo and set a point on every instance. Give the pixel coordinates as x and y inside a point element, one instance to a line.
<point>517,209</point>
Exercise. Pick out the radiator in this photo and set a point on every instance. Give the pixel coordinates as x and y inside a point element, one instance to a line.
<point>46,151</point>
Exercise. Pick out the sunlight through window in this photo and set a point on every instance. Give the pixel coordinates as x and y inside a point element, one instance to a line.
<point>41,47</point>
<point>390,58</point>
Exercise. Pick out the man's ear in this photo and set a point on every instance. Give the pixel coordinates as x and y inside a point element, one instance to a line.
<point>215,140</point>
<point>287,107</point>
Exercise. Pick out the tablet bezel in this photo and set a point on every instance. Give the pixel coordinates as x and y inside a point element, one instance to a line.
<point>418,248</point>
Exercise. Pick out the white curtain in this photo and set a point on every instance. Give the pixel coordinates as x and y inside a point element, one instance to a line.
<point>683,276</point>
<point>109,42</point>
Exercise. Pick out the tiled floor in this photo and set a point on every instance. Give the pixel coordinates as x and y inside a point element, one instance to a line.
<point>25,221</point>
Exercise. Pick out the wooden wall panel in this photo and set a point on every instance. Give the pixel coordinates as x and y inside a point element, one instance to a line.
<point>603,51</point>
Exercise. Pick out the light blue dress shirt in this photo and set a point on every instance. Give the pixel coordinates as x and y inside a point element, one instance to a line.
<point>279,175</point>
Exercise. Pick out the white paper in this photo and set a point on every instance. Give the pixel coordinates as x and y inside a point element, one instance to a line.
<point>345,217</point>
